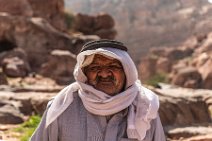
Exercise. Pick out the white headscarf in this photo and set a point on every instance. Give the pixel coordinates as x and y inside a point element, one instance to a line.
<point>136,97</point>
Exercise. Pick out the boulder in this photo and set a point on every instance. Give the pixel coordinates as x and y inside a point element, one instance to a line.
<point>106,33</point>
<point>101,25</point>
<point>190,133</point>
<point>206,46</point>
<point>146,68</point>
<point>35,36</point>
<point>84,23</point>
<point>39,104</point>
<point>54,14</point>
<point>10,115</point>
<point>16,7</point>
<point>61,65</point>
<point>177,53</point>
<point>207,137</point>
<point>3,78</point>
<point>163,65</point>
<point>15,63</point>
<point>205,69</point>
<point>182,106</point>
<point>22,104</point>
<point>187,77</point>
<point>78,40</point>
<point>15,67</point>
<point>103,21</point>
<point>207,81</point>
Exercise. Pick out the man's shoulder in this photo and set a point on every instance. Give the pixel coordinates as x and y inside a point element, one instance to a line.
<point>75,98</point>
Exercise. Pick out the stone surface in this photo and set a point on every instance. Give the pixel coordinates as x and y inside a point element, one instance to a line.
<point>147,68</point>
<point>35,36</point>
<point>23,103</point>
<point>61,65</point>
<point>10,115</point>
<point>200,138</point>
<point>101,25</point>
<point>187,77</point>
<point>54,14</point>
<point>188,65</point>
<point>163,65</point>
<point>151,26</point>
<point>15,67</point>
<point>189,133</point>
<point>3,78</point>
<point>183,106</point>
<point>16,7</point>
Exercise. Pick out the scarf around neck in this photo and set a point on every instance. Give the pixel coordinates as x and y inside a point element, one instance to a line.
<point>143,106</point>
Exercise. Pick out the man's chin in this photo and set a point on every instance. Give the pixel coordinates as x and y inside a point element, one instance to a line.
<point>106,89</point>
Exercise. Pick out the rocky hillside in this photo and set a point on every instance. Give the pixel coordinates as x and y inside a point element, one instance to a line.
<point>188,65</point>
<point>152,23</point>
<point>37,56</point>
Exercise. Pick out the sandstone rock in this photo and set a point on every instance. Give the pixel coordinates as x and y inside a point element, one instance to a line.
<point>185,19</point>
<point>163,65</point>
<point>188,132</point>
<point>10,115</point>
<point>24,103</point>
<point>187,74</point>
<point>35,36</point>
<point>39,104</point>
<point>147,68</point>
<point>15,63</point>
<point>205,69</point>
<point>15,67</point>
<point>61,65</point>
<point>183,106</point>
<point>207,137</point>
<point>103,21</point>
<point>106,33</point>
<point>84,23</point>
<point>176,54</point>
<point>34,8</point>
<point>3,79</point>
<point>51,10</point>
<point>157,52</point>
<point>207,81</point>
<point>79,40</point>
<point>101,25</point>
<point>16,7</point>
<point>206,46</point>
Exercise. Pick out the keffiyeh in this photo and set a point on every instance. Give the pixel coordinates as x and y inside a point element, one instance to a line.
<point>143,104</point>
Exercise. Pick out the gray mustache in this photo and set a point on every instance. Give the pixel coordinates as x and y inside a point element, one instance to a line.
<point>107,79</point>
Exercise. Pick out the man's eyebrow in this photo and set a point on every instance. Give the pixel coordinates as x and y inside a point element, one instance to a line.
<point>116,63</point>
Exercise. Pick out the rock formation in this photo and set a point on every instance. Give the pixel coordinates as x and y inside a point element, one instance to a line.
<point>185,113</point>
<point>154,23</point>
<point>27,43</point>
<point>188,65</point>
<point>51,10</point>
<point>101,25</point>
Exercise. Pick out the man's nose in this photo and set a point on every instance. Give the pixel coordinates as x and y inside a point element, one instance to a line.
<point>104,73</point>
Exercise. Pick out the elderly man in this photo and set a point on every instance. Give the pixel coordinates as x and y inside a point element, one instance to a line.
<point>106,103</point>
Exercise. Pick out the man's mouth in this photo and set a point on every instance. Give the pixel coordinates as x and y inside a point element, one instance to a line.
<point>106,82</point>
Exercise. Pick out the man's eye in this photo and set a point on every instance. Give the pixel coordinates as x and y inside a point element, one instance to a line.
<point>94,68</point>
<point>115,67</point>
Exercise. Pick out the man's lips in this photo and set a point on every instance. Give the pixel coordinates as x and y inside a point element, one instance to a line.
<point>106,82</point>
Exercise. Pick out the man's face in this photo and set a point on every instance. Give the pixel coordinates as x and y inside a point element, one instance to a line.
<point>105,74</point>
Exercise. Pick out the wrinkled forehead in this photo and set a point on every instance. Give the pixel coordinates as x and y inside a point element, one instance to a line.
<point>99,59</point>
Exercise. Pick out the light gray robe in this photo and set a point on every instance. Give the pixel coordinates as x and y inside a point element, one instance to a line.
<point>77,124</point>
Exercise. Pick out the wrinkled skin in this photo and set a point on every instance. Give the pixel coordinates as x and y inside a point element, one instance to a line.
<point>105,74</point>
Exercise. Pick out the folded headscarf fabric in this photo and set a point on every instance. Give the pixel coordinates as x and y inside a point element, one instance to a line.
<point>143,104</point>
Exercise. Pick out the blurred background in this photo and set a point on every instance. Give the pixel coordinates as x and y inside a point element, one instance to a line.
<point>169,41</point>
